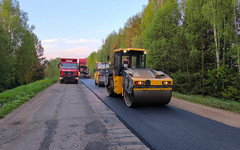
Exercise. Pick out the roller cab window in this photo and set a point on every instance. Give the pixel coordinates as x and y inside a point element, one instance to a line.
<point>130,59</point>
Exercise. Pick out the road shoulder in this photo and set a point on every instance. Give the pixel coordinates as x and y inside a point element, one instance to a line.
<point>223,116</point>
<point>66,116</point>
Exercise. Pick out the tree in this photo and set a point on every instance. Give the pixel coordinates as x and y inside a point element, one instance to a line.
<point>160,37</point>
<point>132,27</point>
<point>52,68</point>
<point>220,14</point>
<point>25,50</point>
<point>91,62</point>
<point>5,67</point>
<point>196,29</point>
<point>25,58</point>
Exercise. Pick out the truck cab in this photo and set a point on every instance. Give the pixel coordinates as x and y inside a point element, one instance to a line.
<point>68,68</point>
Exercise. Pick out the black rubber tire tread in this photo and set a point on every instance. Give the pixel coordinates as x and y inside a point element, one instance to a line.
<point>128,99</point>
<point>109,88</point>
<point>101,85</point>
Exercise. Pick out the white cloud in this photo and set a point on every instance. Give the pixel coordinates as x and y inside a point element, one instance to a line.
<point>77,50</point>
<point>47,46</point>
<point>72,48</point>
<point>69,41</point>
<point>74,52</point>
<point>49,41</point>
<point>81,41</point>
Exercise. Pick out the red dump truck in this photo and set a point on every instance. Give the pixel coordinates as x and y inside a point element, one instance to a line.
<point>68,68</point>
<point>83,69</point>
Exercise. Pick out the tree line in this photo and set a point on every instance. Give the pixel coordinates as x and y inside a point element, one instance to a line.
<point>21,52</point>
<point>196,42</point>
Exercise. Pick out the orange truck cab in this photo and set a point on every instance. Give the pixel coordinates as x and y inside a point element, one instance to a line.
<point>68,68</point>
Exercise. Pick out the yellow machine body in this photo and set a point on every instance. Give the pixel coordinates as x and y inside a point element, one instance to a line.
<point>99,73</point>
<point>138,85</point>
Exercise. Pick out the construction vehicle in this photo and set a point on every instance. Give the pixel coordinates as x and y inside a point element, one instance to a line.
<point>99,73</point>
<point>83,69</point>
<point>137,84</point>
<point>68,70</point>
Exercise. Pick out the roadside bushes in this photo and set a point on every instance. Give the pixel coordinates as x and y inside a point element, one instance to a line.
<point>223,82</point>
<point>187,83</point>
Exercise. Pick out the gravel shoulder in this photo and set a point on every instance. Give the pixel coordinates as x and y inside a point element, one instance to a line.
<point>223,116</point>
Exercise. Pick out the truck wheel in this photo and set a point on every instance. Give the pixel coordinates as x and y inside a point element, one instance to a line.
<point>98,84</point>
<point>95,82</point>
<point>128,99</point>
<point>76,81</point>
<point>61,82</point>
<point>109,88</point>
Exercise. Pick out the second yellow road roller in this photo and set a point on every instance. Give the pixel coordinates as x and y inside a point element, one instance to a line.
<point>99,73</point>
<point>136,83</point>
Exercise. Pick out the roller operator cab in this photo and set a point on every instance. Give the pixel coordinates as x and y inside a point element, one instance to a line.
<point>137,84</point>
<point>99,73</point>
<point>68,68</point>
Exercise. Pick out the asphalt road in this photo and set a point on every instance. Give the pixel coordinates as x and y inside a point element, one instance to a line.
<point>65,117</point>
<point>171,128</point>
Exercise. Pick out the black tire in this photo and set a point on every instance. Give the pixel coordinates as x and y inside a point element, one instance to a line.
<point>128,98</point>
<point>76,82</point>
<point>61,82</point>
<point>101,84</point>
<point>95,82</point>
<point>109,88</point>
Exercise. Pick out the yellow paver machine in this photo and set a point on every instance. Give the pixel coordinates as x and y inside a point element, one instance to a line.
<point>137,84</point>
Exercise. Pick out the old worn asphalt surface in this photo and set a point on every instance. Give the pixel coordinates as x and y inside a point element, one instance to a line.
<point>171,128</point>
<point>65,117</point>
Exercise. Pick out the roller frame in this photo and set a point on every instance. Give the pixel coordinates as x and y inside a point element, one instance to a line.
<point>146,95</point>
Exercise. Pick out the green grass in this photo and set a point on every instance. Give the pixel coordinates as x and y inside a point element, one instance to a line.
<point>210,101</point>
<point>12,99</point>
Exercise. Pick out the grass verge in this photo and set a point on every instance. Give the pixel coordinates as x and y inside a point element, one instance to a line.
<point>12,99</point>
<point>210,101</point>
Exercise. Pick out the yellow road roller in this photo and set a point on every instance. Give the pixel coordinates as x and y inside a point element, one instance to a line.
<point>99,73</point>
<point>136,83</point>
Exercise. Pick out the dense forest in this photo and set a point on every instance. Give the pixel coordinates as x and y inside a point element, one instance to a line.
<point>21,52</point>
<point>196,42</point>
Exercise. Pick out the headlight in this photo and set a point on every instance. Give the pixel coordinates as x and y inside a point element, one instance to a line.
<point>139,82</point>
<point>166,82</point>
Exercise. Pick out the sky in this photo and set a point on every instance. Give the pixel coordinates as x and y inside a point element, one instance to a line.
<point>75,28</point>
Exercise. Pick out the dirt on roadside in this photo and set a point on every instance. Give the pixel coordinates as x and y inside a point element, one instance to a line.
<point>223,116</point>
